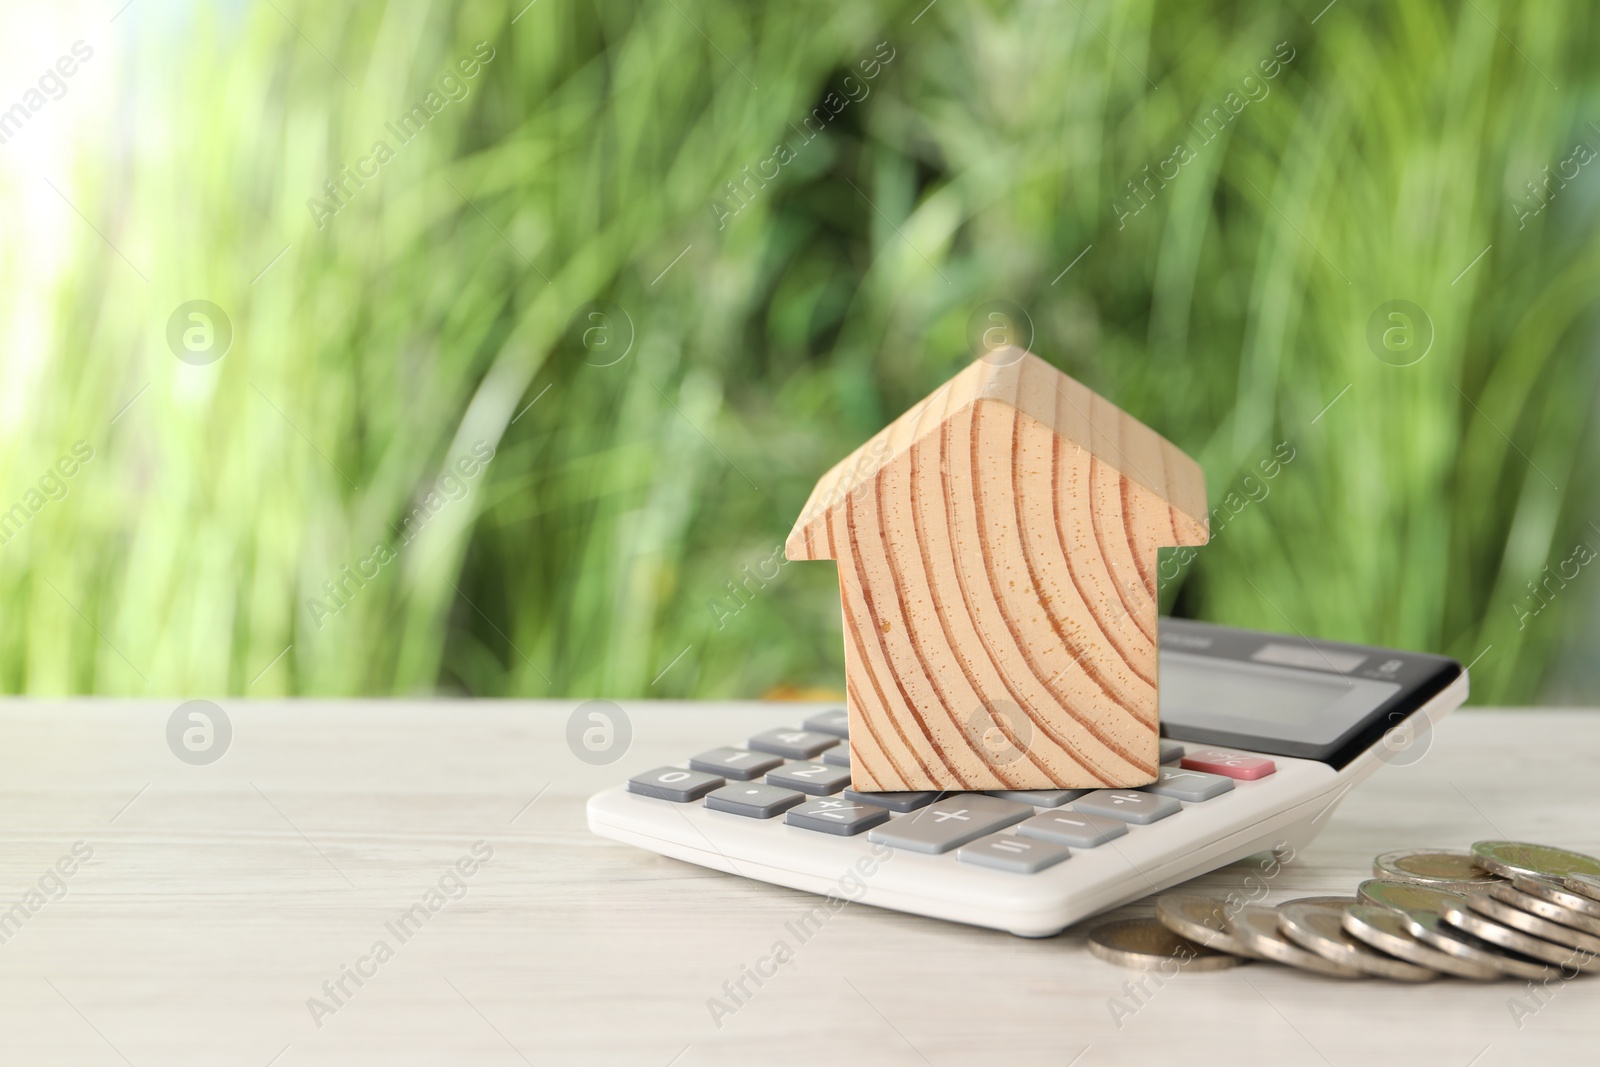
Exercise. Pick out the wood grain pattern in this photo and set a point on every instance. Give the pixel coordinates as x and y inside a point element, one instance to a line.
<point>997,561</point>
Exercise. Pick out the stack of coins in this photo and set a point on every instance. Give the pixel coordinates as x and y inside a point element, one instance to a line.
<point>1502,909</point>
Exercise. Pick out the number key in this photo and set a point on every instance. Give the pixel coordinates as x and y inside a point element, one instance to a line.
<point>793,744</point>
<point>835,722</point>
<point>818,779</point>
<point>736,763</point>
<point>674,784</point>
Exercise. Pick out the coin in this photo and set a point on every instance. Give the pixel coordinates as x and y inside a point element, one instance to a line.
<point>1329,902</point>
<point>1385,929</point>
<point>1544,899</point>
<point>1556,893</point>
<point>1507,858</point>
<point>1407,896</point>
<point>1319,928</point>
<point>1503,936</point>
<point>1257,928</point>
<point>1564,936</point>
<point>1587,884</point>
<point>1203,920</point>
<point>1454,869</point>
<point>1431,929</point>
<point>1147,945</point>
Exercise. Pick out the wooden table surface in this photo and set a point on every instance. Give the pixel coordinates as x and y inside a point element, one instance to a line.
<point>207,906</point>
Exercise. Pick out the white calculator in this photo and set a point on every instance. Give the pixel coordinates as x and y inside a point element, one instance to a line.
<point>1262,735</point>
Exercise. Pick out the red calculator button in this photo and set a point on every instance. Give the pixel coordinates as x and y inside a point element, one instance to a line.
<point>1231,764</point>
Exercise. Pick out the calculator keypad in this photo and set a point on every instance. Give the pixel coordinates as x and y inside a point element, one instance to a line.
<point>1020,831</point>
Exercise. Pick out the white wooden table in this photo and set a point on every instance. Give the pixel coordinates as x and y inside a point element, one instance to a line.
<point>219,899</point>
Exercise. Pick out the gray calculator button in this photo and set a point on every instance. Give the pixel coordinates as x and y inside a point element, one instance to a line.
<point>1189,785</point>
<point>900,801</point>
<point>1008,852</point>
<point>838,756</point>
<point>1171,751</point>
<point>1039,798</point>
<point>950,823</point>
<point>835,722</point>
<point>1129,805</point>
<point>736,763</point>
<point>818,779</point>
<point>674,783</point>
<point>793,744</point>
<point>1073,828</point>
<point>835,815</point>
<point>753,800</point>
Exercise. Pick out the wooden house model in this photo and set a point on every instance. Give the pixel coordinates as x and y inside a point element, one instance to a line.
<point>996,548</point>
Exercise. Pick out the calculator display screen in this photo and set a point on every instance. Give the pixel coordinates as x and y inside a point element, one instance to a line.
<point>1281,704</point>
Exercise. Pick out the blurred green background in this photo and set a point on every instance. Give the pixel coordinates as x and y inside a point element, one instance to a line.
<point>591,260</point>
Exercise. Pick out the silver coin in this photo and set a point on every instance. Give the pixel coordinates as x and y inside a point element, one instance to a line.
<point>1507,858</point>
<point>1587,884</point>
<point>1327,902</point>
<point>1386,931</point>
<point>1431,929</point>
<point>1549,901</point>
<point>1408,897</point>
<point>1148,945</point>
<point>1509,937</point>
<point>1319,928</point>
<point>1453,869</point>
<point>1203,920</point>
<point>1576,942</point>
<point>1257,928</point>
<point>1556,893</point>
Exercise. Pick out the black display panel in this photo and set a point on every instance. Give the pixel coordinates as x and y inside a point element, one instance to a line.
<point>1288,696</point>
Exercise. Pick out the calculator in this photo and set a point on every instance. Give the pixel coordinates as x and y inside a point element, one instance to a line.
<point>1262,735</point>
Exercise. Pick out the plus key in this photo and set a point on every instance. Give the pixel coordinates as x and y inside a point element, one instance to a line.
<point>951,823</point>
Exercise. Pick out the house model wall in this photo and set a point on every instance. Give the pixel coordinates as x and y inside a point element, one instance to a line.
<point>997,563</point>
